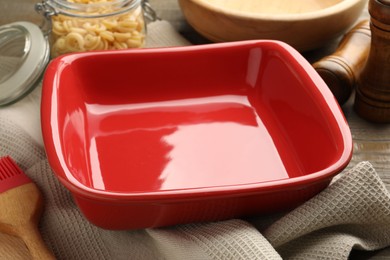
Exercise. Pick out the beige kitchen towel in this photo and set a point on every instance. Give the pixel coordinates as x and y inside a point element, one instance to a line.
<point>352,213</point>
<point>161,34</point>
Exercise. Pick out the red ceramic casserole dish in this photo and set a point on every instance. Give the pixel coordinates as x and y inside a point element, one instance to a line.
<point>156,137</point>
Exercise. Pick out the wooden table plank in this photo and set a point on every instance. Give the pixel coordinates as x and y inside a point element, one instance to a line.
<point>371,142</point>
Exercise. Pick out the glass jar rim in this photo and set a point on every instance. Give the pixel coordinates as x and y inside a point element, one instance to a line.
<point>81,10</point>
<point>33,61</point>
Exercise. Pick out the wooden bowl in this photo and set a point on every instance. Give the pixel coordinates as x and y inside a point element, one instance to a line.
<point>304,24</point>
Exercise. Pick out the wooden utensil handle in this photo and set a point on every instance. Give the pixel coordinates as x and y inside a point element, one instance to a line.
<point>341,69</point>
<point>29,233</point>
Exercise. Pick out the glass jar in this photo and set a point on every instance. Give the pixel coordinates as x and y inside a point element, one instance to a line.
<point>24,53</point>
<point>86,25</point>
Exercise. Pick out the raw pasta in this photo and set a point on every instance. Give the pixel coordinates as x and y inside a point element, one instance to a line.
<point>74,34</point>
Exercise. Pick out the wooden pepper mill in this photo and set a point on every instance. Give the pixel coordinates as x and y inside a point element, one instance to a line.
<point>372,100</point>
<point>341,69</point>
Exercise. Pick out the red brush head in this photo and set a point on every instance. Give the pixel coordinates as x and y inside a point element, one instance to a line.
<point>11,175</point>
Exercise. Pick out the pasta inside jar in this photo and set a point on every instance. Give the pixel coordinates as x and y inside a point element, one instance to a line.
<point>86,25</point>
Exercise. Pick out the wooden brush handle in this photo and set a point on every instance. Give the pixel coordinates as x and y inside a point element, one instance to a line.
<point>21,208</point>
<point>341,70</point>
<point>34,242</point>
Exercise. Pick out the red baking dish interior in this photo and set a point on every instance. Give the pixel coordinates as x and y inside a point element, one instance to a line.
<point>189,121</point>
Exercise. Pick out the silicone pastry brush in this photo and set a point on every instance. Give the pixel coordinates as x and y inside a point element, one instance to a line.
<point>21,206</point>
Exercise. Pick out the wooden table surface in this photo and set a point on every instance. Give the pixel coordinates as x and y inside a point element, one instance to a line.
<point>371,141</point>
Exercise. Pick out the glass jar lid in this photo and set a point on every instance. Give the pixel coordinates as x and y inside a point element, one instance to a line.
<point>24,54</point>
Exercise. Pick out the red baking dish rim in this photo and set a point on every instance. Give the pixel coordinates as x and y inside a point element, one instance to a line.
<point>52,144</point>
